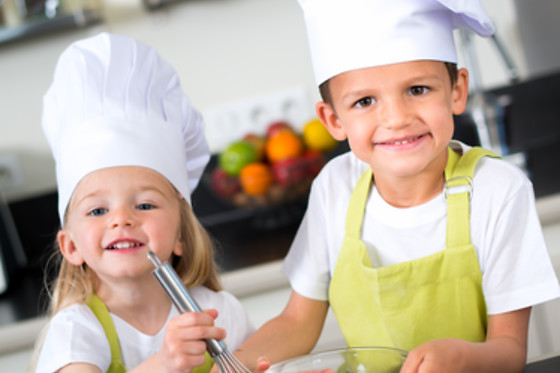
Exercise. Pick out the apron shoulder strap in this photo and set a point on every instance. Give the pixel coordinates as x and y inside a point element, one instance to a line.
<point>100,311</point>
<point>357,205</point>
<point>459,173</point>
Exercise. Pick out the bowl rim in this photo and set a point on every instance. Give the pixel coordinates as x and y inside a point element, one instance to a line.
<point>317,354</point>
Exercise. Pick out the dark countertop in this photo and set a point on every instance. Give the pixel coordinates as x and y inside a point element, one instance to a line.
<point>548,365</point>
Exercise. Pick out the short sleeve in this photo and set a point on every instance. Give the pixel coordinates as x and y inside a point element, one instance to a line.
<point>74,335</point>
<point>231,314</point>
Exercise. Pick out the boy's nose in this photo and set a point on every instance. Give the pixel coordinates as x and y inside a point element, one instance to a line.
<point>394,114</point>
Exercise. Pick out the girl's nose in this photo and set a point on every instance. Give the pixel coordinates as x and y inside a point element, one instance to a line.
<point>395,114</point>
<point>122,217</point>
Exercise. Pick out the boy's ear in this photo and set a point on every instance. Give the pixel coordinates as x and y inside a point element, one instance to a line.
<point>460,92</point>
<point>68,249</point>
<point>327,115</point>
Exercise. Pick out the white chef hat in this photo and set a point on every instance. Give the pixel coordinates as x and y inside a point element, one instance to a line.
<point>115,102</point>
<point>346,35</point>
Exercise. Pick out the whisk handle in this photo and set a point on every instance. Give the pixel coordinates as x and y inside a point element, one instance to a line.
<point>180,296</point>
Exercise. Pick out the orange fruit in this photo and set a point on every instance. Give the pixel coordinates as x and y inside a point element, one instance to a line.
<point>283,145</point>
<point>317,137</point>
<point>255,178</point>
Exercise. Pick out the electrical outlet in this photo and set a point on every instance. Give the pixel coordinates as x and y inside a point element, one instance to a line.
<point>11,175</point>
<point>231,121</point>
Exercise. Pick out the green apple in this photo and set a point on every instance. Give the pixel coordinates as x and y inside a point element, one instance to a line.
<point>236,156</point>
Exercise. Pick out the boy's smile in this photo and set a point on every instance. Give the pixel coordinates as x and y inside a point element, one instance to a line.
<point>398,118</point>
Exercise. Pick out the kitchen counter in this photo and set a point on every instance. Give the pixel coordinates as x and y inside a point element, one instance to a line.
<point>240,281</point>
<point>549,364</point>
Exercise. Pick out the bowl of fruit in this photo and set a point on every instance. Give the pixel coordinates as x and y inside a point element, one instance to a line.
<point>272,168</point>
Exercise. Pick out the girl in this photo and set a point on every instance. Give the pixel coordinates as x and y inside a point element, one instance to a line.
<point>129,150</point>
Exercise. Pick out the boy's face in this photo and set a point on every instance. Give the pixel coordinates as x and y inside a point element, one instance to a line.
<point>397,118</point>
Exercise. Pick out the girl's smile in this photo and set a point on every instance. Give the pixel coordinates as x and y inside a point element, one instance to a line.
<point>124,245</point>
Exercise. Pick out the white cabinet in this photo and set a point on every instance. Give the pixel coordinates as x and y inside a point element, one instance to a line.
<point>544,329</point>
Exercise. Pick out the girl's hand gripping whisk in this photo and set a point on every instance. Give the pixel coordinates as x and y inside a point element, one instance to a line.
<point>182,299</point>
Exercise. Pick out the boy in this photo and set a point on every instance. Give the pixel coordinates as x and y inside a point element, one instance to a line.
<point>416,241</point>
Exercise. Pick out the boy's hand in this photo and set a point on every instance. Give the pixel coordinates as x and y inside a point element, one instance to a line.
<point>442,355</point>
<point>183,345</point>
<point>262,364</point>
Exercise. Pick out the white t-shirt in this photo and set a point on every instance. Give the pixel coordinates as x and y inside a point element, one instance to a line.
<point>75,335</point>
<point>505,232</point>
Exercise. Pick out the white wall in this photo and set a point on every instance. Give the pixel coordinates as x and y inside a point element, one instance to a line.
<point>222,49</point>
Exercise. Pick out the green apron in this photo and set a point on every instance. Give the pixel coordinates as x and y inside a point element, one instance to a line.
<point>406,304</point>
<point>102,313</point>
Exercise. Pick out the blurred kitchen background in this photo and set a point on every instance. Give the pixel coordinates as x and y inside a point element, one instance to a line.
<point>234,57</point>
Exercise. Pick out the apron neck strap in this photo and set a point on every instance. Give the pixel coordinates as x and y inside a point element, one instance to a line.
<point>458,189</point>
<point>100,311</point>
<point>459,172</point>
<point>357,205</point>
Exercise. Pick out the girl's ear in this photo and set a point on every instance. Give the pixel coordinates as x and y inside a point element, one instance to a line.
<point>178,249</point>
<point>460,92</point>
<point>68,249</point>
<point>327,115</point>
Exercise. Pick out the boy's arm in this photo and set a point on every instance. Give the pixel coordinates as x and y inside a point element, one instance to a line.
<point>505,349</point>
<point>292,333</point>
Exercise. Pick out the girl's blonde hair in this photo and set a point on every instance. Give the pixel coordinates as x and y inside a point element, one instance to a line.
<point>196,266</point>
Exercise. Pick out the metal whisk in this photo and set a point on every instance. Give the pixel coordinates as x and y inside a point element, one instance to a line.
<point>180,296</point>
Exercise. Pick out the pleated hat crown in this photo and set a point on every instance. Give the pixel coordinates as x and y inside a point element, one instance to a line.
<point>346,35</point>
<point>115,102</point>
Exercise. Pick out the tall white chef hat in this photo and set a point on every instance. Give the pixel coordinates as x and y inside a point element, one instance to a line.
<point>346,35</point>
<point>115,102</point>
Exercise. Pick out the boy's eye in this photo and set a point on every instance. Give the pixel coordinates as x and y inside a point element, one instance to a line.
<point>365,102</point>
<point>418,90</point>
<point>145,206</point>
<point>98,211</point>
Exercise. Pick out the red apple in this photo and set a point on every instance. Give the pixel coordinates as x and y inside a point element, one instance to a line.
<point>259,142</point>
<point>223,184</point>
<point>289,172</point>
<point>314,161</point>
<point>277,127</point>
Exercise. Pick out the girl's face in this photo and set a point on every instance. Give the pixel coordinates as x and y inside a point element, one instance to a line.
<point>397,118</point>
<point>115,216</point>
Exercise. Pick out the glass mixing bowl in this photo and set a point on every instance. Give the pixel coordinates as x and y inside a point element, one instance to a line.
<point>348,360</point>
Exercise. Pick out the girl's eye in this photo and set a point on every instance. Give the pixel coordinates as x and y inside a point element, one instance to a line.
<point>98,211</point>
<point>365,102</point>
<point>418,90</point>
<point>145,206</point>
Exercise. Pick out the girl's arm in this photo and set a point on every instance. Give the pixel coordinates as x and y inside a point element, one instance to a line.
<point>182,350</point>
<point>293,333</point>
<point>505,349</point>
